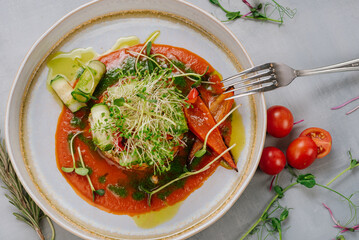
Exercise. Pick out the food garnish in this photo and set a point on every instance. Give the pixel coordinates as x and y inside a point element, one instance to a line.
<point>206,130</point>
<point>64,91</point>
<point>145,111</point>
<point>88,81</point>
<point>82,170</point>
<point>186,174</point>
<point>203,151</point>
<point>76,98</point>
<point>268,219</point>
<point>353,164</point>
<point>259,12</point>
<point>142,114</point>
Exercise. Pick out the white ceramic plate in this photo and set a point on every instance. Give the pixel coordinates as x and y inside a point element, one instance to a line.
<point>32,114</point>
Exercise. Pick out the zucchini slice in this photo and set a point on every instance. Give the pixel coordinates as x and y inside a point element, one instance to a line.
<point>88,81</point>
<point>64,90</point>
<point>100,115</point>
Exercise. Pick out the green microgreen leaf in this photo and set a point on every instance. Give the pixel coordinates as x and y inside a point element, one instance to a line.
<point>264,216</point>
<point>83,171</point>
<point>89,170</point>
<point>215,2</point>
<point>200,153</point>
<point>276,224</point>
<point>152,100</point>
<point>307,180</point>
<point>141,95</point>
<point>77,122</point>
<point>118,190</point>
<point>353,163</point>
<point>196,84</point>
<point>279,190</point>
<point>148,48</point>
<point>100,192</point>
<point>179,81</point>
<point>138,196</point>
<point>67,170</point>
<point>102,179</point>
<point>284,215</point>
<point>119,102</point>
<point>233,15</point>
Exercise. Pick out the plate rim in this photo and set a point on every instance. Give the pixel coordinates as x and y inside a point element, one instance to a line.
<point>75,230</point>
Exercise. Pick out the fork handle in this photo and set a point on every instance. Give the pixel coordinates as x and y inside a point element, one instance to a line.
<point>352,65</point>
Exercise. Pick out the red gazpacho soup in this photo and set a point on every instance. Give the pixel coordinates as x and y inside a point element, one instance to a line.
<point>142,128</point>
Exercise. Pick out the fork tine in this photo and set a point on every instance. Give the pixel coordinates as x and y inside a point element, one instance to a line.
<point>254,83</point>
<point>256,90</point>
<point>244,80</point>
<point>247,71</point>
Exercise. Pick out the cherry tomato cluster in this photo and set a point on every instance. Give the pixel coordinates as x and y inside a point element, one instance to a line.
<point>311,144</point>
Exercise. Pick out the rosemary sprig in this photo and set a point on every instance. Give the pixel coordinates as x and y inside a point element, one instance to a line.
<point>28,211</point>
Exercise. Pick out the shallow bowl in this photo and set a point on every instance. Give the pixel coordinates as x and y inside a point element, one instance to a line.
<point>32,114</point>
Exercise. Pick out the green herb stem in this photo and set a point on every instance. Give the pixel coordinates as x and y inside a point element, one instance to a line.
<point>344,171</point>
<point>149,113</point>
<point>264,19</point>
<point>266,210</point>
<point>341,195</point>
<point>145,56</point>
<point>187,174</point>
<point>203,150</point>
<point>72,148</point>
<point>153,37</point>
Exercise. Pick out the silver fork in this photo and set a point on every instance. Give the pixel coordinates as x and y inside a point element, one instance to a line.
<point>270,76</point>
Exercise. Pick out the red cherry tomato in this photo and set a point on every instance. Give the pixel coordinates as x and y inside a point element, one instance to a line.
<point>279,121</point>
<point>272,161</point>
<point>322,139</point>
<point>192,95</point>
<point>302,152</point>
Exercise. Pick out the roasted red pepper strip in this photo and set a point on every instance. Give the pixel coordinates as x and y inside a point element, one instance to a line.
<point>218,109</point>
<point>200,121</point>
<point>192,95</point>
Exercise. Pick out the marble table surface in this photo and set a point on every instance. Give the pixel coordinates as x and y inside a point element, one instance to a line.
<point>321,33</point>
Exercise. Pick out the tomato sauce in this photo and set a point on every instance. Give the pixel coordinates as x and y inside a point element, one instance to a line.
<point>114,175</point>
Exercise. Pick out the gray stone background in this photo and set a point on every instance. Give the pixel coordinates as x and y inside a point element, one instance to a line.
<point>321,33</point>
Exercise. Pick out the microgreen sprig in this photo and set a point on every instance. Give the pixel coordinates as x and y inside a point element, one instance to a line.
<point>338,225</point>
<point>203,151</point>
<point>147,111</point>
<point>307,180</point>
<point>99,192</point>
<point>353,164</point>
<point>149,41</point>
<point>189,75</point>
<point>184,175</point>
<point>258,12</point>
<point>83,171</point>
